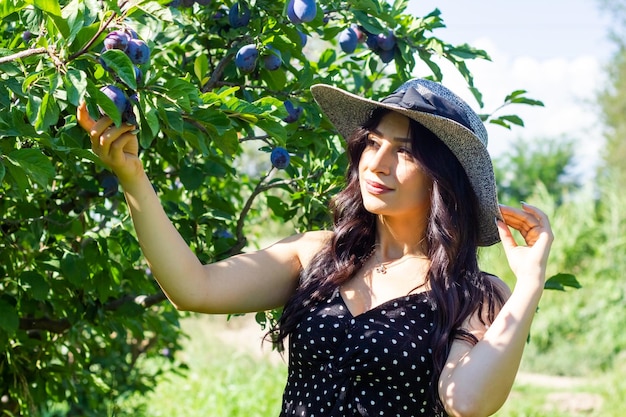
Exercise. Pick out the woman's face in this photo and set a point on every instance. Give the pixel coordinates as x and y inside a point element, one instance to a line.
<point>391,180</point>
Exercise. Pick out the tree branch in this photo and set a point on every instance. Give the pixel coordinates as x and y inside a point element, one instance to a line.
<point>217,73</point>
<point>62,325</point>
<point>45,323</point>
<point>145,301</point>
<point>260,188</point>
<point>23,54</point>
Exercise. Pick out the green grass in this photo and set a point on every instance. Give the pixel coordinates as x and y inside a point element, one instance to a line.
<point>224,379</point>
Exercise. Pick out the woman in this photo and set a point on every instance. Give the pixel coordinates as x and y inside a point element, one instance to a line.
<point>388,314</point>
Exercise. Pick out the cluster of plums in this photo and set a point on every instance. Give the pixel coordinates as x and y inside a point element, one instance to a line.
<point>138,51</point>
<point>382,44</point>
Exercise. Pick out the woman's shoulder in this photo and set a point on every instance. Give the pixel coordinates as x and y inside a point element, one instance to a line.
<point>312,243</point>
<point>307,244</point>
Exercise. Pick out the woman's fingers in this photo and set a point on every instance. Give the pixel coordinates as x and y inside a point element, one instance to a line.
<point>103,142</point>
<point>505,235</point>
<point>84,119</point>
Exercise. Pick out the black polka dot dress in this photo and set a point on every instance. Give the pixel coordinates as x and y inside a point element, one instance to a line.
<point>377,363</point>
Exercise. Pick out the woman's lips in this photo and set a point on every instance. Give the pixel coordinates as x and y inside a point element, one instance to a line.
<point>376,188</point>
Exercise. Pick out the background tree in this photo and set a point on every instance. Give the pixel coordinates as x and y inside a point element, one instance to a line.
<point>78,307</point>
<point>528,163</point>
<point>612,99</point>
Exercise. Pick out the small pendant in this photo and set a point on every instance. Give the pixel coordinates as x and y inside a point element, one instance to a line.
<point>381,269</point>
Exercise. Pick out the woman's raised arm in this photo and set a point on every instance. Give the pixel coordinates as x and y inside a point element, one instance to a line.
<point>244,283</point>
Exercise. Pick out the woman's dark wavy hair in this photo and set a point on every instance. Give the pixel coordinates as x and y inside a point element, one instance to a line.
<point>458,287</point>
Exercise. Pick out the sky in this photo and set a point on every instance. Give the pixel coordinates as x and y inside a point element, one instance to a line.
<point>556,50</point>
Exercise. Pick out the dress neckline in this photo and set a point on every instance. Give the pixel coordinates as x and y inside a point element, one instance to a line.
<point>382,305</point>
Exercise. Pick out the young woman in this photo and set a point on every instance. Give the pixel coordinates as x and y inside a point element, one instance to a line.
<point>388,314</point>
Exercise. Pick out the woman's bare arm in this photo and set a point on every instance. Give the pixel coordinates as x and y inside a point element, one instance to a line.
<point>244,283</point>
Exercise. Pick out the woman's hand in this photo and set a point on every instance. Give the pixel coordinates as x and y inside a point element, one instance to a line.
<point>117,147</point>
<point>530,260</point>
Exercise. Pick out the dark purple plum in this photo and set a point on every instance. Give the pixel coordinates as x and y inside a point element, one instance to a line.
<point>246,58</point>
<point>291,14</point>
<point>239,15</point>
<point>293,113</point>
<point>131,33</point>
<point>117,96</point>
<point>110,185</point>
<point>280,157</point>
<point>304,10</point>
<point>273,59</point>
<point>118,39</point>
<point>138,51</point>
<point>372,42</point>
<point>386,41</point>
<point>303,38</point>
<point>348,40</point>
<point>387,56</point>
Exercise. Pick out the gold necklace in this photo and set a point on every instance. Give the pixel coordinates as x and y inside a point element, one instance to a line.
<point>382,267</point>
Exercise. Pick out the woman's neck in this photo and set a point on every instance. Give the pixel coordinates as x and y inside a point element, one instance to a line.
<point>397,238</point>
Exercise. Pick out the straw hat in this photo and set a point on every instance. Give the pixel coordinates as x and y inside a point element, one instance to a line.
<point>442,112</point>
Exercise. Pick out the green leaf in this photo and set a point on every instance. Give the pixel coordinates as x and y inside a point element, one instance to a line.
<point>2,172</point>
<point>118,62</point>
<point>75,82</point>
<point>52,9</point>
<point>512,118</point>
<point>48,6</point>
<point>47,114</point>
<point>8,7</point>
<point>181,93</point>
<point>201,67</point>
<point>191,176</point>
<point>274,129</point>
<point>214,120</point>
<point>149,120</point>
<point>35,284</point>
<point>106,106</point>
<point>227,142</point>
<point>369,6</point>
<point>369,24</point>
<point>277,205</point>
<point>128,243</point>
<point>9,319</point>
<point>35,165</point>
<point>560,281</point>
<point>74,269</point>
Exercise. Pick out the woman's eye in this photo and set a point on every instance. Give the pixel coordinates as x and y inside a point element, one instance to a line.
<point>371,142</point>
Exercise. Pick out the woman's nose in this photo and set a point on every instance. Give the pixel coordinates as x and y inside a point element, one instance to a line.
<point>381,160</point>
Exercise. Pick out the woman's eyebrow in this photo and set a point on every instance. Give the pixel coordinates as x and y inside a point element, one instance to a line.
<point>397,139</point>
